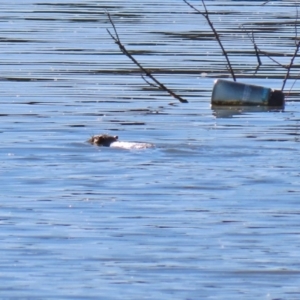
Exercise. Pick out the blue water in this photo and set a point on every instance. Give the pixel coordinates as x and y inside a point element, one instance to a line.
<point>211,212</point>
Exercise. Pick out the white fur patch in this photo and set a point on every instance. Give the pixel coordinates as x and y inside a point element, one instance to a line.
<point>130,145</point>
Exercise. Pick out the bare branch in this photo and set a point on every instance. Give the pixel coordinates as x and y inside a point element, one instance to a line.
<point>206,16</point>
<point>147,72</point>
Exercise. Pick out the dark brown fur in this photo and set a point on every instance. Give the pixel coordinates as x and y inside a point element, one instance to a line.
<point>103,140</point>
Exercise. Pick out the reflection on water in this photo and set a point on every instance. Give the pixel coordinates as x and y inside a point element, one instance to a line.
<point>231,111</point>
<point>210,212</point>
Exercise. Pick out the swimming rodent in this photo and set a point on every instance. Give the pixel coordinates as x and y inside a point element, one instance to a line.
<point>112,141</point>
<point>103,140</point>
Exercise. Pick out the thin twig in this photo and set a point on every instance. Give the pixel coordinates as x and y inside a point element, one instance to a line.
<point>147,72</point>
<point>150,83</point>
<point>296,36</point>
<point>293,84</point>
<point>296,28</point>
<point>258,50</point>
<point>267,54</point>
<point>256,53</point>
<point>266,2</point>
<point>290,66</point>
<point>206,16</point>
<point>295,53</point>
<point>113,25</point>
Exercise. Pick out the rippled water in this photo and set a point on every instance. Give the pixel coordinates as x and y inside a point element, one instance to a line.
<point>211,212</point>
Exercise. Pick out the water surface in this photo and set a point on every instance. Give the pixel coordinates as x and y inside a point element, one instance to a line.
<point>210,213</point>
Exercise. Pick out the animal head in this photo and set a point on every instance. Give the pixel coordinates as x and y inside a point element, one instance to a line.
<point>103,140</point>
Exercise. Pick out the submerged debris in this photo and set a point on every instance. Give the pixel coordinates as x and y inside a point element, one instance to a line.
<point>235,93</point>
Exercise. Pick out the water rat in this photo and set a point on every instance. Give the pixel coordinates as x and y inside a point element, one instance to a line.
<point>112,141</point>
